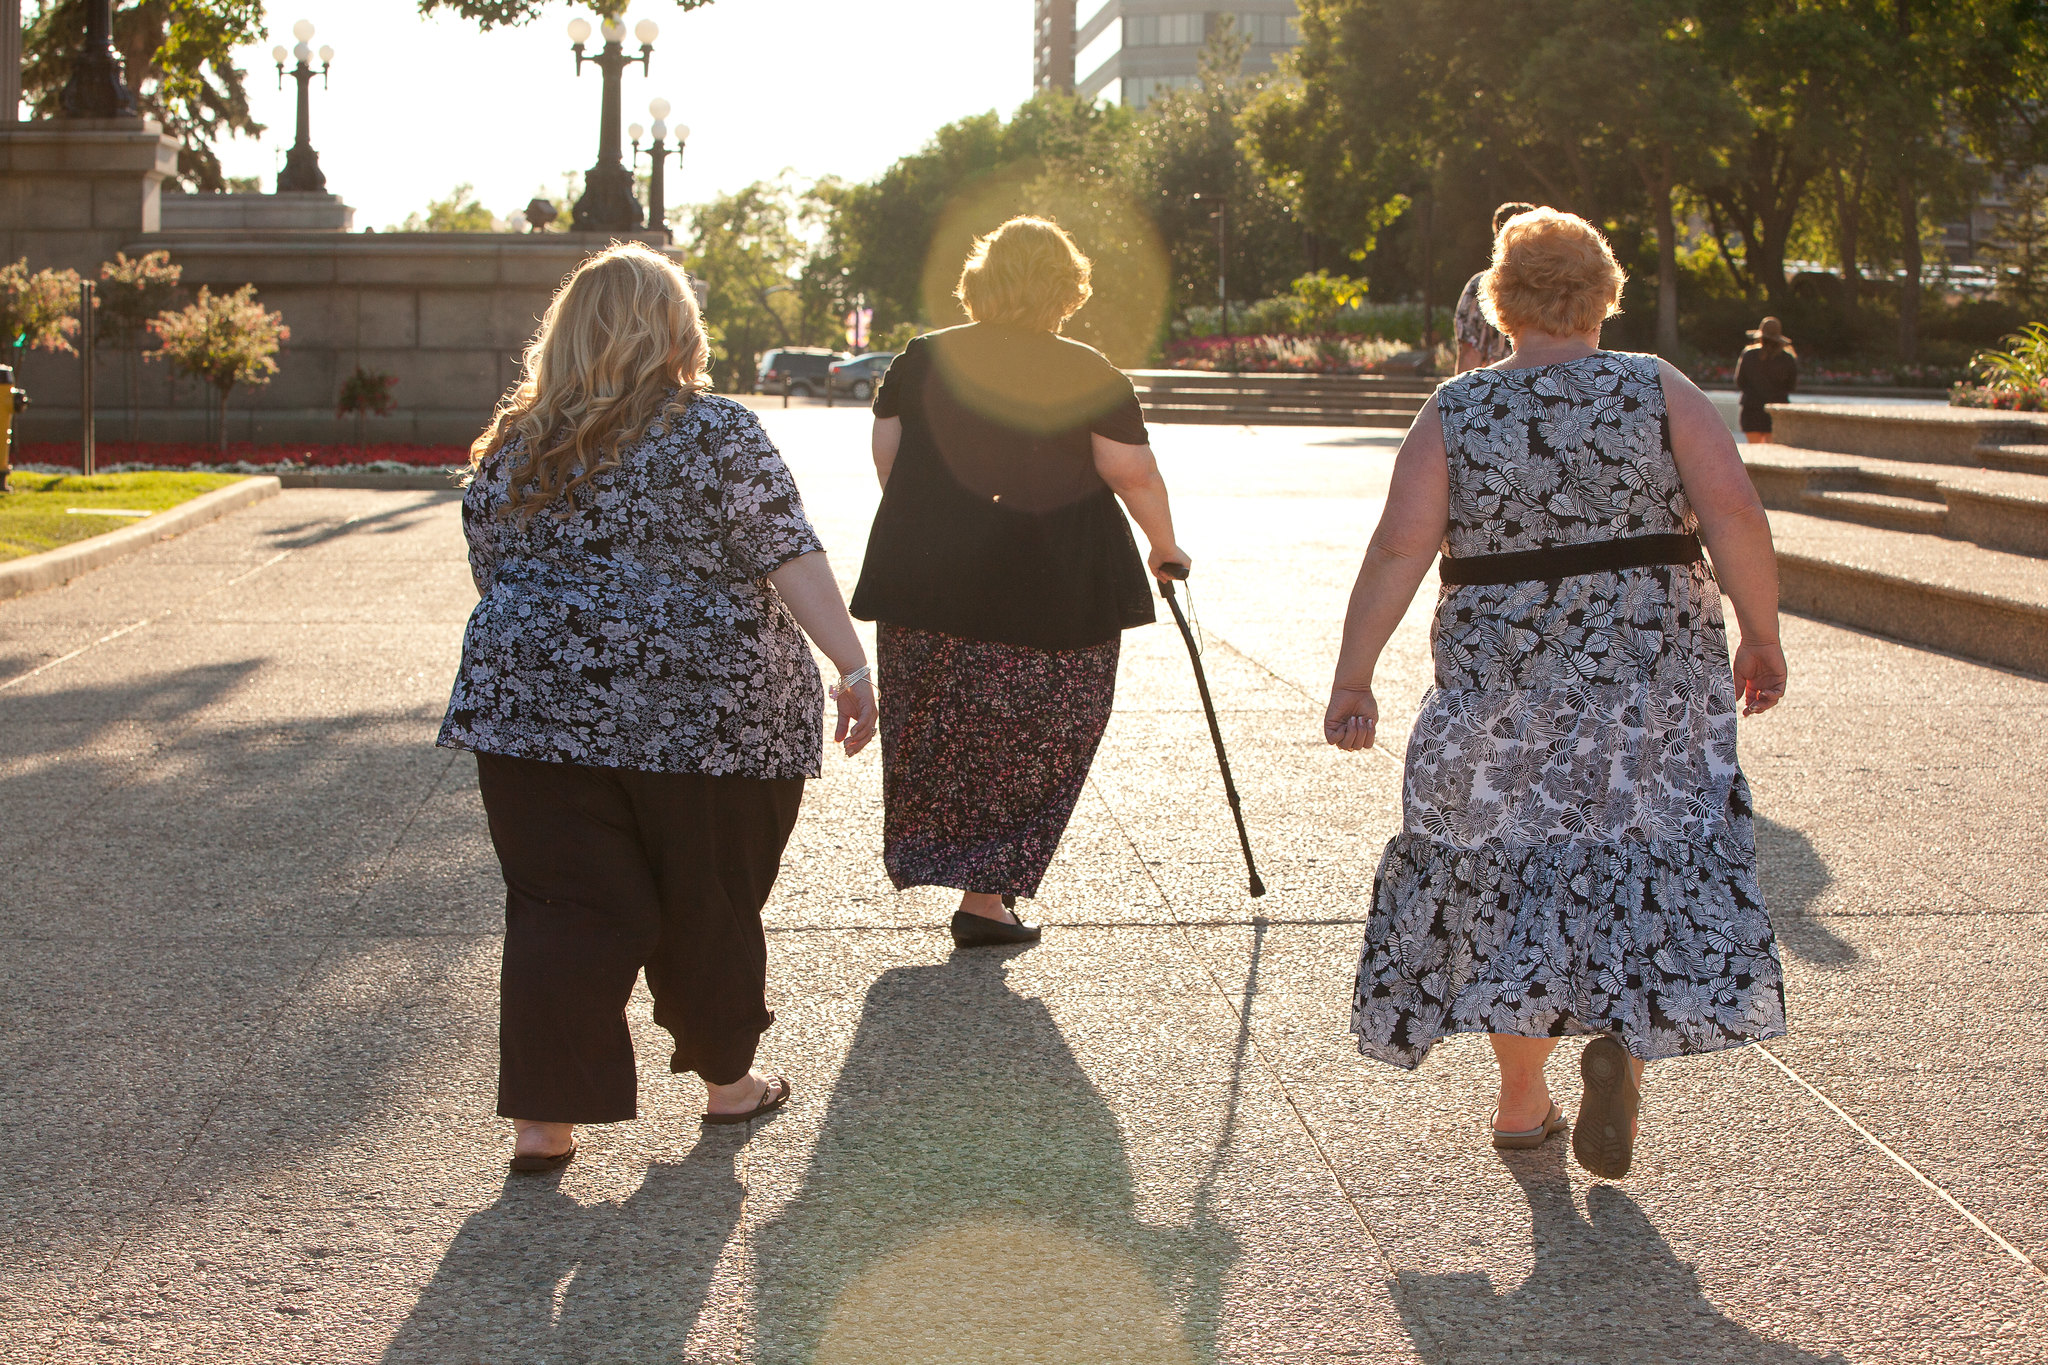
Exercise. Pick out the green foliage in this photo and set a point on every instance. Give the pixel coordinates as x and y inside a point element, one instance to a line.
<point>366,393</point>
<point>749,249</point>
<point>179,60</point>
<point>38,310</point>
<point>897,337</point>
<point>222,340</point>
<point>490,14</point>
<point>461,211</point>
<point>1322,297</point>
<point>2020,251</point>
<point>131,292</point>
<point>2022,365</point>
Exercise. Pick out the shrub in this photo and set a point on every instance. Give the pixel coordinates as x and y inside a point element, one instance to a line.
<point>1290,354</point>
<point>222,340</point>
<point>37,310</point>
<point>366,394</point>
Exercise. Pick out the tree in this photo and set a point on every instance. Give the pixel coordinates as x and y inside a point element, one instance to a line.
<point>222,340</point>
<point>490,14</point>
<point>38,310</point>
<point>2020,250</point>
<point>365,394</point>
<point>179,59</point>
<point>748,249</point>
<point>461,211</point>
<point>131,292</point>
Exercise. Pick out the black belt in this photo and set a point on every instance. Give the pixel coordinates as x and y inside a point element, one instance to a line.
<point>1568,561</point>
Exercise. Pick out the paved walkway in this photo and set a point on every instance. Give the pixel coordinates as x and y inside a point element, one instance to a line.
<point>248,944</point>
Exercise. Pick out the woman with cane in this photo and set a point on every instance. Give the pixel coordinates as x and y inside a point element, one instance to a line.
<point>641,700</point>
<point>1002,574</point>
<point>1576,854</point>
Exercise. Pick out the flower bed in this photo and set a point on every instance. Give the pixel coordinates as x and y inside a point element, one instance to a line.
<point>1283,354</point>
<point>1874,377</point>
<point>2003,399</point>
<point>243,457</point>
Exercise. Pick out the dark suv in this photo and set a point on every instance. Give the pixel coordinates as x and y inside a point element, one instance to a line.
<point>807,369</point>
<point>862,375</point>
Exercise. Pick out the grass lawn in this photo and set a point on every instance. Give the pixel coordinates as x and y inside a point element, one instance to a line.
<point>34,515</point>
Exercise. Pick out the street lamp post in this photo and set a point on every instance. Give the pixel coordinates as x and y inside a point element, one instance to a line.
<point>98,87</point>
<point>301,173</point>
<point>657,154</point>
<point>608,203</point>
<point>1222,217</point>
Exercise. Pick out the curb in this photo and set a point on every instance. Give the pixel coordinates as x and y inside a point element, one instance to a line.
<point>430,481</point>
<point>33,573</point>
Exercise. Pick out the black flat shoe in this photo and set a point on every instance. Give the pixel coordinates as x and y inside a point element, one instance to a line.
<point>979,931</point>
<point>535,1163</point>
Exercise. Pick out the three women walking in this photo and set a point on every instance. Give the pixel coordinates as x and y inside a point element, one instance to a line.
<point>1576,853</point>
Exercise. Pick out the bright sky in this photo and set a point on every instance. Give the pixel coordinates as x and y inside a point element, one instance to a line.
<point>838,87</point>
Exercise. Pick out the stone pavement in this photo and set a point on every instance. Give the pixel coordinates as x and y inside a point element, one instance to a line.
<point>248,944</point>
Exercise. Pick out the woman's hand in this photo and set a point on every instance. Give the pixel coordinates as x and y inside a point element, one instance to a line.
<point>1172,554</point>
<point>857,716</point>
<point>1352,718</point>
<point>1759,676</point>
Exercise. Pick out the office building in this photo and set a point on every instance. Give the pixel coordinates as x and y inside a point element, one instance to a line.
<point>1052,66</point>
<point>1131,50</point>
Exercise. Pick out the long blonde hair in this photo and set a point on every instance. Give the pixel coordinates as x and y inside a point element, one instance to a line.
<point>620,350</point>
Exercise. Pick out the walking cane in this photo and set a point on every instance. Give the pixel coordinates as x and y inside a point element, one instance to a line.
<point>1179,572</point>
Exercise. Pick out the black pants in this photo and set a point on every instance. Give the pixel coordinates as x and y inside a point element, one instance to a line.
<point>607,871</point>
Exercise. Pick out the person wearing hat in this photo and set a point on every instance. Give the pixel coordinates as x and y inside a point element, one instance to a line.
<point>1766,373</point>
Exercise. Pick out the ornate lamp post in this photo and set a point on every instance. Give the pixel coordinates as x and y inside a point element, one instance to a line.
<point>98,87</point>
<point>657,155</point>
<point>608,203</point>
<point>302,164</point>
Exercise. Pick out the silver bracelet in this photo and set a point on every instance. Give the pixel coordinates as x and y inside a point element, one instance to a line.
<point>848,681</point>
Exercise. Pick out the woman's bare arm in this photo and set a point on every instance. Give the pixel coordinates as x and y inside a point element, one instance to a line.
<point>1736,531</point>
<point>1404,543</point>
<point>887,440</point>
<point>1133,475</point>
<point>811,593</point>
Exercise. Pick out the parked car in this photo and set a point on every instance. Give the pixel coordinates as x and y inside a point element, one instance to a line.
<point>862,375</point>
<point>807,368</point>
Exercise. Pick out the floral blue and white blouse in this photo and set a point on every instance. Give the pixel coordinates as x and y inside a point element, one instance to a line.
<point>639,629</point>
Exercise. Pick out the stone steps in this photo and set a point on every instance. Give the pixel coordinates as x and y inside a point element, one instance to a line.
<point>1928,590</point>
<point>1998,509</point>
<point>1213,398</point>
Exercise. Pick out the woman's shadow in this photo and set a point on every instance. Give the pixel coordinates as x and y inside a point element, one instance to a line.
<point>1605,1289</point>
<point>970,1198</point>
<point>539,1276</point>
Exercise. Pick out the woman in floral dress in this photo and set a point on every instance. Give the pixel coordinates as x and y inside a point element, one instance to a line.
<point>1576,854</point>
<point>643,706</point>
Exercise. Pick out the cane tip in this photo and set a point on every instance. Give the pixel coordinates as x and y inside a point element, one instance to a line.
<point>1258,887</point>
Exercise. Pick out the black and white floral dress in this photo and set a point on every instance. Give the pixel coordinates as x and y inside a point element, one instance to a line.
<point>1576,853</point>
<point>638,630</point>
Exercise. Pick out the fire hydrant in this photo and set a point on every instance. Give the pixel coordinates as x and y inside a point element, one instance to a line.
<point>12,400</point>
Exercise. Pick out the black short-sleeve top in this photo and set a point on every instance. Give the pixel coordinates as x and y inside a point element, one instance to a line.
<point>995,525</point>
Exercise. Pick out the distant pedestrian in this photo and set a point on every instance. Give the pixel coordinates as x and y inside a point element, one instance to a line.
<point>1002,573</point>
<point>1765,373</point>
<point>1576,853</point>
<point>642,704</point>
<point>1479,341</point>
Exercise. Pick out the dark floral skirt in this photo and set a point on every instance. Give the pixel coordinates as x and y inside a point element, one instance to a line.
<point>985,748</point>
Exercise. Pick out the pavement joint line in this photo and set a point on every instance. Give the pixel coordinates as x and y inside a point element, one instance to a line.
<point>297,991</point>
<point>1251,1040</point>
<point>2026,1262</point>
<point>1307,694</point>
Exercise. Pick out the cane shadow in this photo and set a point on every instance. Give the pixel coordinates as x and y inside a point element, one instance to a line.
<point>969,1197</point>
<point>1793,876</point>
<point>540,1276</point>
<point>1605,1289</point>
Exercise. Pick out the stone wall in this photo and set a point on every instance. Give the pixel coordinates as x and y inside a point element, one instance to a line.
<point>448,313</point>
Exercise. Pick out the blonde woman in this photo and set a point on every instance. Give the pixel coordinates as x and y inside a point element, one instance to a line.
<point>1576,854</point>
<point>642,706</point>
<point>1003,574</point>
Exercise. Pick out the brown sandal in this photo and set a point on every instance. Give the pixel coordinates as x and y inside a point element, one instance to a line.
<point>1534,1137</point>
<point>774,1094</point>
<point>1604,1140</point>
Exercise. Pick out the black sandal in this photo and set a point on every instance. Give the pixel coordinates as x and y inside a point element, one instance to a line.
<point>534,1163</point>
<point>772,1099</point>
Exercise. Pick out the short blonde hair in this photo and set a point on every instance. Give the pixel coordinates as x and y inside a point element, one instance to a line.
<point>1552,272</point>
<point>1027,273</point>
